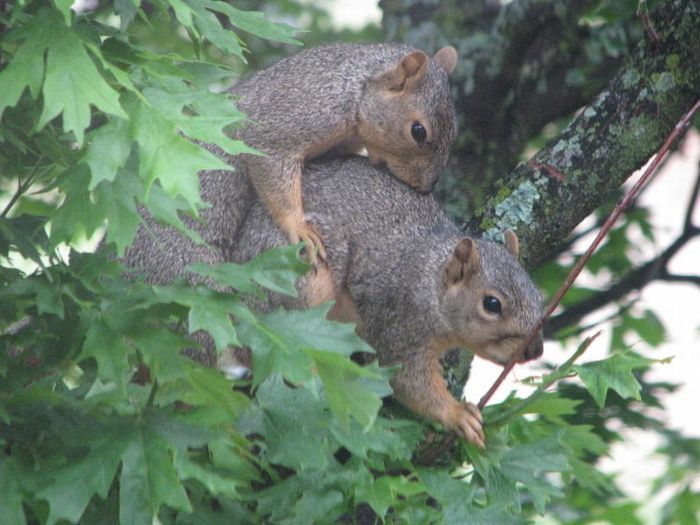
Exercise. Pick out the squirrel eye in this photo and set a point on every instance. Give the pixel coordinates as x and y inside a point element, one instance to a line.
<point>492,304</point>
<point>418,132</point>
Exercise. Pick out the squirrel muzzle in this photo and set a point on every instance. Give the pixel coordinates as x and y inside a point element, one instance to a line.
<point>533,351</point>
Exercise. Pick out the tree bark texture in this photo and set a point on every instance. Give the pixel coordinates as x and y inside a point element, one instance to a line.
<point>516,80</point>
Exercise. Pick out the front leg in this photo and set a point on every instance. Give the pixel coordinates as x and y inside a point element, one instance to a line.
<point>420,386</point>
<point>277,182</point>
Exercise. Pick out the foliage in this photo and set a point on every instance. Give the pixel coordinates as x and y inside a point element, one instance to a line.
<point>103,419</point>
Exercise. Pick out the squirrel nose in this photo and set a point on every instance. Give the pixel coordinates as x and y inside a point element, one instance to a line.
<point>535,350</point>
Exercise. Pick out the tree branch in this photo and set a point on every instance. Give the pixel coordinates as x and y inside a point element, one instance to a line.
<point>624,203</point>
<point>607,141</point>
<point>676,278</point>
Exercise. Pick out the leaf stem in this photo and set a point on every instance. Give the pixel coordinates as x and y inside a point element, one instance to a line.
<point>152,395</point>
<point>558,373</point>
<point>21,188</point>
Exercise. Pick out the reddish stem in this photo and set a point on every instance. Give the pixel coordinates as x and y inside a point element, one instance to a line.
<point>621,206</point>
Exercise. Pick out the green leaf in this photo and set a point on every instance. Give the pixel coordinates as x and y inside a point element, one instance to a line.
<point>77,218</point>
<point>254,23</point>
<point>276,269</point>
<point>384,492</point>
<point>73,485</point>
<point>614,372</point>
<point>10,492</point>
<point>310,329</point>
<point>162,352</point>
<point>167,156</point>
<point>210,27</point>
<point>126,10</point>
<point>444,488</point>
<point>649,327</point>
<point>580,438</point>
<point>395,438</point>
<point>199,114</point>
<point>183,12</point>
<point>73,84</point>
<point>25,234</point>
<point>294,424</point>
<point>64,7</point>
<point>207,387</point>
<point>304,496</point>
<point>683,508</point>
<point>108,149</point>
<point>117,200</point>
<point>109,350</point>
<point>26,68</point>
<point>316,505</point>
<point>526,464</point>
<point>215,483</point>
<point>351,390</point>
<point>209,310</point>
<point>169,209</point>
<point>45,294</point>
<point>148,478</point>
<point>506,470</point>
<point>456,497</point>
<point>552,407</point>
<point>591,478</point>
<point>280,342</point>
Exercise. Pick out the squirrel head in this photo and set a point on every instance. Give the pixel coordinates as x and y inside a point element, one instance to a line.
<point>489,301</point>
<point>407,117</point>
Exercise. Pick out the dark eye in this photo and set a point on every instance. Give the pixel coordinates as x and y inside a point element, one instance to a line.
<point>492,304</point>
<point>418,132</point>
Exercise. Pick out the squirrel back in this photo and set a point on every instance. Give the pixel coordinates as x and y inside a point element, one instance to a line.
<point>412,281</point>
<point>304,102</point>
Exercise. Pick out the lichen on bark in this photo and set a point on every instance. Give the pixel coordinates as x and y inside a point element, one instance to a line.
<point>612,137</point>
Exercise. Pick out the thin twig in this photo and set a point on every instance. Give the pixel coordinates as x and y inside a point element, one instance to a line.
<point>22,187</point>
<point>643,14</point>
<point>555,375</point>
<point>20,190</point>
<point>583,260</point>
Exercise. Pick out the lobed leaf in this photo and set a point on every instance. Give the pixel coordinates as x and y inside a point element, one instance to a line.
<point>614,372</point>
<point>73,83</point>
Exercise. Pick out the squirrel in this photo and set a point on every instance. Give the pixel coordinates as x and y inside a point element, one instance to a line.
<point>412,281</point>
<point>391,99</point>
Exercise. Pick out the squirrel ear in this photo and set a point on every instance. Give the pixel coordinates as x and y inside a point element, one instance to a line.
<point>410,69</point>
<point>446,59</point>
<point>462,263</point>
<point>512,243</point>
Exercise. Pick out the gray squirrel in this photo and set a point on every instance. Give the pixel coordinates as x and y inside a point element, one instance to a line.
<point>391,99</point>
<point>412,281</point>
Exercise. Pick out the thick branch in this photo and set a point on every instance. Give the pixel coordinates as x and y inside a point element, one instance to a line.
<point>545,199</point>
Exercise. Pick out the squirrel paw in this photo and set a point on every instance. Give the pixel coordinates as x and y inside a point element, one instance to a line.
<point>315,250</point>
<point>465,419</point>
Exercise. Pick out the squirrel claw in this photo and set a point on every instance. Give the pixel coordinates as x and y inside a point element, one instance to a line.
<point>466,420</point>
<point>315,251</point>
